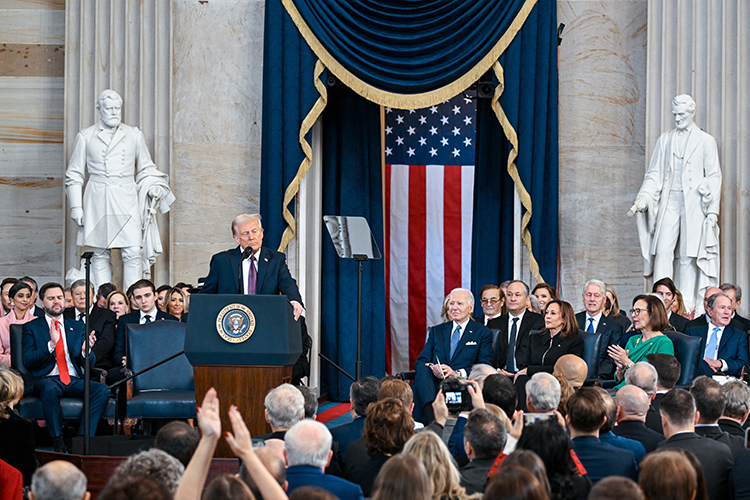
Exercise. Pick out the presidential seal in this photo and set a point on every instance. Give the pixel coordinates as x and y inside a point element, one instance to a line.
<point>235,323</point>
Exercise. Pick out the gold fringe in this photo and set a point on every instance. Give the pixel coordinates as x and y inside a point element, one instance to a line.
<point>409,101</point>
<point>307,123</point>
<point>510,133</point>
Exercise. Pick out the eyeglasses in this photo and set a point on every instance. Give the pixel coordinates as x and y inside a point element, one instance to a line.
<point>637,311</point>
<point>490,301</point>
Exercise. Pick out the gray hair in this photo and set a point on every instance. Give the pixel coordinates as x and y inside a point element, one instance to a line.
<point>108,94</point>
<point>711,302</point>
<point>80,283</point>
<point>58,480</point>
<point>155,464</point>
<point>471,295</point>
<point>285,405</point>
<point>730,286</point>
<point>244,219</point>
<point>736,399</point>
<point>543,391</point>
<point>481,371</point>
<point>535,304</point>
<point>311,400</point>
<point>643,375</point>
<point>602,286</point>
<point>308,443</point>
<point>684,99</point>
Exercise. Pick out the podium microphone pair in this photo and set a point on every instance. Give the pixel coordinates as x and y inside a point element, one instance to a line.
<point>245,254</point>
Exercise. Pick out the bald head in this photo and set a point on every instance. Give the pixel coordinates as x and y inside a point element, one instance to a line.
<point>59,480</point>
<point>573,369</point>
<point>632,403</point>
<point>711,291</point>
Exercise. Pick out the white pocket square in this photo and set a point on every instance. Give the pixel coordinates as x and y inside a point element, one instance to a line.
<point>471,342</point>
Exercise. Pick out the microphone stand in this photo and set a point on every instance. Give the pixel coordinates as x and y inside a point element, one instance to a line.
<point>87,362</point>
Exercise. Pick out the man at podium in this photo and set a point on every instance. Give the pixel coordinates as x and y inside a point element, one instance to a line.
<point>251,268</point>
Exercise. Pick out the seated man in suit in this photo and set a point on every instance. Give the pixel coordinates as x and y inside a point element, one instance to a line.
<point>736,407</point>
<point>586,415</point>
<point>263,271</point>
<point>632,406</point>
<point>492,299</point>
<point>735,293</point>
<point>668,292</point>
<point>101,321</point>
<point>605,431</point>
<point>451,349</point>
<point>515,326</point>
<point>725,348</point>
<point>709,401</point>
<point>361,393</point>
<point>54,351</point>
<point>678,416</point>
<point>307,453</point>
<point>704,318</point>
<point>285,406</point>
<point>593,320</point>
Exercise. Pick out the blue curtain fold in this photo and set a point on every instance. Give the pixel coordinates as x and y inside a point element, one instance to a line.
<point>408,46</point>
<point>352,186</point>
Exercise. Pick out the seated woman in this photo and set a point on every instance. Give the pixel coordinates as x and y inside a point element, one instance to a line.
<point>558,338</point>
<point>21,311</point>
<point>118,302</point>
<point>545,293</point>
<point>16,433</point>
<point>177,304</point>
<point>612,310</point>
<point>650,320</point>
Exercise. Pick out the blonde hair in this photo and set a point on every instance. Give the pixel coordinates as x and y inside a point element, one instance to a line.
<point>11,391</point>
<point>434,454</point>
<point>168,297</point>
<point>118,292</point>
<point>244,219</point>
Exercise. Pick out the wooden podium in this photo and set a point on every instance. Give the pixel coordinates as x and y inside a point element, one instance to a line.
<point>243,346</point>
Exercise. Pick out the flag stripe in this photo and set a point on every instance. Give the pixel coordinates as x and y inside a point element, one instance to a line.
<point>399,267</point>
<point>417,260</point>
<point>452,227</point>
<point>435,245</point>
<point>387,256</point>
<point>467,221</point>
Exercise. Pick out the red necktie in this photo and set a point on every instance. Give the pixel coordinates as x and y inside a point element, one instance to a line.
<point>62,365</point>
<point>252,277</point>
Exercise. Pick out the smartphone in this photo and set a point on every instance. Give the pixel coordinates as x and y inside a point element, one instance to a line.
<point>530,418</point>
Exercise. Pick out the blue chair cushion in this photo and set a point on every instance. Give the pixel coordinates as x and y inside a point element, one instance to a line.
<point>162,404</point>
<point>31,407</point>
<point>592,351</point>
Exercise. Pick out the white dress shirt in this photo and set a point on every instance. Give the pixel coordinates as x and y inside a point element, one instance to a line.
<point>246,269</point>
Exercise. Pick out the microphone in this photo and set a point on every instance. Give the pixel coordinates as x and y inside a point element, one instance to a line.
<point>245,254</point>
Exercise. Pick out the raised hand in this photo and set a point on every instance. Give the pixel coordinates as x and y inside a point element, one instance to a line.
<point>209,420</point>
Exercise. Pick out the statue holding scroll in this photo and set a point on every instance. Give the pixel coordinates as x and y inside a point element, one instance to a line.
<point>678,207</point>
<point>123,192</point>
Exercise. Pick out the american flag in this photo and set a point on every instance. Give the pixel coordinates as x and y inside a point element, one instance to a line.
<point>429,189</point>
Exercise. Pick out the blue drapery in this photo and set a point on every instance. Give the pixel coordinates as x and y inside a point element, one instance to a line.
<point>409,54</point>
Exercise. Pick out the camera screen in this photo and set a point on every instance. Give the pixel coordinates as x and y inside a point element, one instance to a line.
<point>453,398</point>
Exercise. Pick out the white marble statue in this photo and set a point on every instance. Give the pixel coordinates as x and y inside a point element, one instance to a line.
<point>678,206</point>
<point>118,207</point>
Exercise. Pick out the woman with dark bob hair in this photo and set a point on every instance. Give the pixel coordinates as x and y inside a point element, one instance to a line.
<point>21,311</point>
<point>551,442</point>
<point>515,483</point>
<point>650,320</point>
<point>558,338</point>
<point>402,478</point>
<point>668,475</point>
<point>388,426</point>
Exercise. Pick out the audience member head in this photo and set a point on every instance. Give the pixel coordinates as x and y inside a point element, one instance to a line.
<point>118,302</point>
<point>178,439</point>
<point>550,441</point>
<point>492,300</point>
<point>516,297</point>
<point>481,371</point>
<point>156,464</point>
<point>566,390</point>
<point>710,291</point>
<point>572,368</point>
<point>530,461</point>
<point>403,477</point>
<point>667,475</point>
<point>34,285</point>
<point>309,492</point>
<point>397,388</point>
<point>78,291</point>
<point>612,303</point>
<point>594,294</point>
<point>308,443</point>
<point>134,488</point>
<point>5,287</point>
<point>616,488</point>
<point>68,297</point>
<point>642,374</point>
<point>273,460</point>
<point>176,302</point>
<point>736,400</point>
<point>678,306</point>
<point>544,292</point>
<point>610,410</point>
<point>227,487</point>
<point>59,480</point>
<point>534,304</point>
<point>666,288</point>
<point>513,482</point>
<point>667,370</point>
<point>388,426</point>
<point>285,406</point>
<point>719,309</point>
<point>542,393</point>
<point>144,296</point>
<point>484,435</point>
<point>586,413</point>
<point>677,410</point>
<point>363,392</point>
<point>702,493</point>
<point>161,294</point>
<point>499,390</point>
<point>434,454</point>
<point>21,296</point>
<point>103,292</point>
<point>709,399</point>
<point>460,305</point>
<point>734,292</point>
<point>652,316</point>
<point>53,299</point>
<point>632,403</point>
<point>311,401</point>
<point>11,391</point>
<point>560,318</point>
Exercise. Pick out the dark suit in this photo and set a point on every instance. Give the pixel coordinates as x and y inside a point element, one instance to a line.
<point>740,319</point>
<point>365,474</point>
<point>635,429</point>
<point>632,445</point>
<point>102,322</point>
<point>740,478</point>
<point>702,320</point>
<point>623,319</point>
<point>530,322</point>
<point>678,322</point>
<point>611,332</point>
<point>715,458</point>
<point>273,274</point>
<point>474,474</point>
<point>39,362</point>
<point>653,417</point>
<point>714,432</point>
<point>475,346</point>
<point>602,460</point>
<point>306,475</point>
<point>732,349</point>
<point>345,434</point>
<point>731,427</point>
<point>17,444</point>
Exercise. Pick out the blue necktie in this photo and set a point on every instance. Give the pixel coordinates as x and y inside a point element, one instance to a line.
<point>711,347</point>
<point>455,337</point>
<point>590,329</point>
<point>510,363</point>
